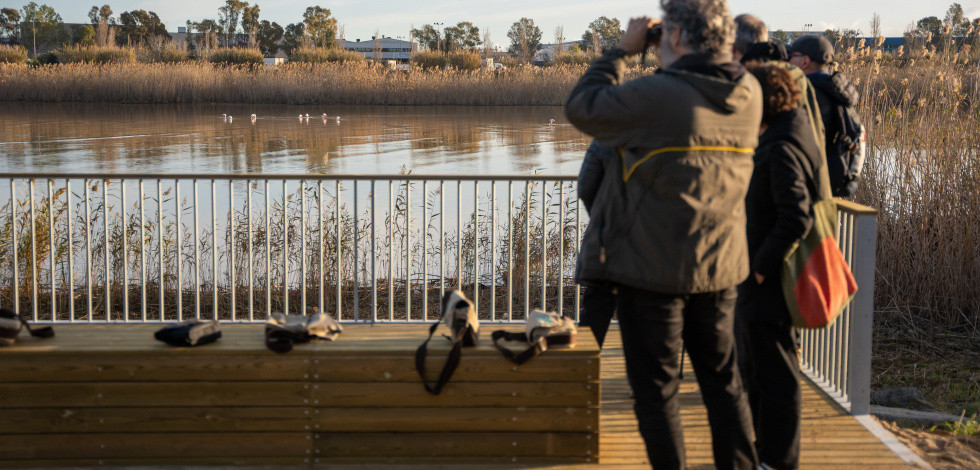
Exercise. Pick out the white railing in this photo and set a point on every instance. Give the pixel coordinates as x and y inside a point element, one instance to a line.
<point>99,248</point>
<point>146,248</point>
<point>838,358</point>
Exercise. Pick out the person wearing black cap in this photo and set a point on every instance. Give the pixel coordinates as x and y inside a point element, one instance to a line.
<point>837,98</point>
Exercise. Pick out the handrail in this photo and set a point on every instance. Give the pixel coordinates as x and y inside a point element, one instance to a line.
<point>854,208</point>
<point>283,176</point>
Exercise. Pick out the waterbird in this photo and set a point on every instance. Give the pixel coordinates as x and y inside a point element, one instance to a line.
<point>300,117</point>
<point>338,119</point>
<point>551,122</point>
<point>252,117</point>
<point>229,119</point>
<point>307,116</point>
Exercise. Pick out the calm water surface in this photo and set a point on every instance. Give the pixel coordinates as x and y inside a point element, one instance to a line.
<point>86,137</point>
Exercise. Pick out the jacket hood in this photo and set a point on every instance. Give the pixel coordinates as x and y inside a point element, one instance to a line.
<point>724,84</point>
<point>835,86</point>
<point>794,127</point>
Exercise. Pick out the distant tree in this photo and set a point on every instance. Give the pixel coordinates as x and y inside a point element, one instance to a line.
<point>137,26</point>
<point>849,37</point>
<point>875,25</point>
<point>228,19</point>
<point>833,35</point>
<point>9,23</point>
<point>462,36</point>
<point>428,37</point>
<point>268,37</point>
<point>42,23</point>
<point>250,23</point>
<point>929,27</point>
<point>97,14</point>
<point>209,31</point>
<point>320,26</point>
<point>292,37</point>
<point>779,36</point>
<point>957,21</point>
<point>525,39</point>
<point>603,31</point>
<point>86,35</point>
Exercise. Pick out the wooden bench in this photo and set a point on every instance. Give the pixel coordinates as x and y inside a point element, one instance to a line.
<point>111,394</point>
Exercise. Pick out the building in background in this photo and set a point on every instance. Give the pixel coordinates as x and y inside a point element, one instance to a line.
<point>389,48</point>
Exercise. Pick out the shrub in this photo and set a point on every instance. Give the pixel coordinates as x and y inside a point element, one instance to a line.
<point>572,58</point>
<point>12,54</point>
<point>429,60</point>
<point>95,54</point>
<point>464,61</point>
<point>167,55</point>
<point>237,56</point>
<point>320,55</point>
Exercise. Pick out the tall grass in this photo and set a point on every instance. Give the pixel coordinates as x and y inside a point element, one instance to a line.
<point>95,54</point>
<point>322,55</point>
<point>12,54</point>
<point>236,56</point>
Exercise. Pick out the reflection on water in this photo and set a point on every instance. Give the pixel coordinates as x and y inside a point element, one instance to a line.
<point>86,137</point>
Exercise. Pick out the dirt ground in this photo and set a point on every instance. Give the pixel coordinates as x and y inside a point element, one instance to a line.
<point>942,450</point>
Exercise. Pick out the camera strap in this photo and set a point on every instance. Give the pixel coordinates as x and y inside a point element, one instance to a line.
<point>452,361</point>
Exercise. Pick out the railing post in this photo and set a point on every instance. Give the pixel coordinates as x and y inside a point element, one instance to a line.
<point>862,313</point>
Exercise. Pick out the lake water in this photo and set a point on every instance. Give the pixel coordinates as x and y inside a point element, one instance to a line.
<point>121,138</point>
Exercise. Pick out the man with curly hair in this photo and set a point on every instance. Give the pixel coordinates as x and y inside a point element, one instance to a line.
<point>667,226</point>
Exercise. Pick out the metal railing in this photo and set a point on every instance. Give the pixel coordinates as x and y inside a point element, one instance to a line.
<point>838,358</point>
<point>146,248</point>
<point>99,248</point>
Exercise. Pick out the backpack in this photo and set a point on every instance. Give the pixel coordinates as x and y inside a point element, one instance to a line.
<point>543,330</point>
<point>459,315</point>
<point>281,331</point>
<point>848,146</point>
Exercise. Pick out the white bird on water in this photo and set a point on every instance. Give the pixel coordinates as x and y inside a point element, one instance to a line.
<point>338,119</point>
<point>300,117</point>
<point>551,122</point>
<point>229,119</point>
<point>252,117</point>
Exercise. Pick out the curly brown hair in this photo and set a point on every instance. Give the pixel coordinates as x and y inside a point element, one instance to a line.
<point>779,91</point>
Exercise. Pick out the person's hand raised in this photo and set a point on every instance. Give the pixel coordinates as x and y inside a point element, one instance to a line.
<point>635,38</point>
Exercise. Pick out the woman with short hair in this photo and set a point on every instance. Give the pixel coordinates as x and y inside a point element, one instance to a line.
<point>778,210</point>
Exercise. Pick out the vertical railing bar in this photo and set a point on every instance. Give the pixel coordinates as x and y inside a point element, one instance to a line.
<point>425,250</point>
<point>561,248</point>
<point>179,230</point>
<point>527,249</point>
<point>374,253</point>
<point>544,245</point>
<point>251,253</point>
<point>71,253</point>
<point>476,247</point>
<point>105,220</point>
<point>493,250</point>
<point>142,251</point>
<point>340,280</point>
<point>442,241</point>
<point>214,250</point>
<point>125,248</point>
<point>197,255</point>
<point>51,252</point>
<point>510,251</point>
<point>320,245</point>
<point>459,234</point>
<point>268,253</point>
<point>391,250</point>
<point>408,249</point>
<point>160,243</point>
<point>355,236</point>
<point>231,248</point>
<point>285,247</point>
<point>302,237</point>
<point>578,248</point>
<point>34,276</point>
<point>16,258</point>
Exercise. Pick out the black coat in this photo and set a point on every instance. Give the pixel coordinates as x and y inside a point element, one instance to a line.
<point>778,210</point>
<point>592,171</point>
<point>833,91</point>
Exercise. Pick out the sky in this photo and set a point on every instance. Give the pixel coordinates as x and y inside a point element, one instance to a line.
<point>360,19</point>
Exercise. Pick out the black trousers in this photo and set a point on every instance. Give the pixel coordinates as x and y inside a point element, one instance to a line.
<point>652,326</point>
<point>771,372</point>
<point>598,308</point>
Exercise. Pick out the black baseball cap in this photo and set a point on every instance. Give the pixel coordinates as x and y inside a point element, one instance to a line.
<point>817,48</point>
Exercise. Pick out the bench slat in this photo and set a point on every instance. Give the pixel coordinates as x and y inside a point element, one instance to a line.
<point>428,444</point>
<point>153,445</point>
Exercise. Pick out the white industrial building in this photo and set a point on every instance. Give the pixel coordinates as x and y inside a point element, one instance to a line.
<point>390,48</point>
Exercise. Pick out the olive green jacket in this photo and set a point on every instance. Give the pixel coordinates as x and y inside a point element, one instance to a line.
<point>669,215</point>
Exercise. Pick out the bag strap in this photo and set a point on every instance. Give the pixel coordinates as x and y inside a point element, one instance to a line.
<point>451,362</point>
<point>279,339</point>
<point>42,332</point>
<point>535,350</point>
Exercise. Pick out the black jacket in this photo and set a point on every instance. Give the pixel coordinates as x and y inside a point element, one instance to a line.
<point>833,91</point>
<point>777,207</point>
<point>592,171</point>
